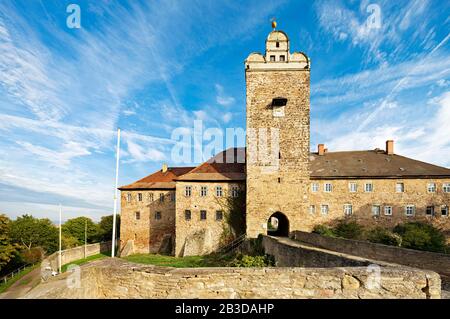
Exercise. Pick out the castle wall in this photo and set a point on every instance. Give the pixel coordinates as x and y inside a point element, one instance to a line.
<point>196,236</point>
<point>147,232</point>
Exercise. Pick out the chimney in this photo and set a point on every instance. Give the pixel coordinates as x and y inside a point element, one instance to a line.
<point>321,149</point>
<point>390,147</point>
<point>164,168</point>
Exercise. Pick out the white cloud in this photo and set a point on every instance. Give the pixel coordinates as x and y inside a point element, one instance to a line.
<point>222,98</point>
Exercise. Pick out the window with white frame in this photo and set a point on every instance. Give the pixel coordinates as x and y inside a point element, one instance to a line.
<point>410,210</point>
<point>324,209</point>
<point>431,187</point>
<point>348,209</point>
<point>314,187</point>
<point>139,196</point>
<point>234,191</point>
<point>219,191</point>
<point>161,197</point>
<point>188,191</point>
<point>327,187</point>
<point>388,210</point>
<point>312,209</point>
<point>376,210</point>
<point>446,187</point>
<point>399,187</point>
<point>430,211</point>
<point>129,197</point>
<point>352,187</point>
<point>368,187</point>
<point>203,191</point>
<point>150,197</point>
<point>444,210</point>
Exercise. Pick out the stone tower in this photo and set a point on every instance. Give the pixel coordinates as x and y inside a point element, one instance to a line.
<point>278,106</point>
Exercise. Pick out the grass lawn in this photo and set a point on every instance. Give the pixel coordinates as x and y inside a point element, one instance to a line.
<point>80,262</point>
<point>10,282</point>
<point>212,260</point>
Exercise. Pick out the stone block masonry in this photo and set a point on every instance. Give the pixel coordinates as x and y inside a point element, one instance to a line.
<point>115,278</point>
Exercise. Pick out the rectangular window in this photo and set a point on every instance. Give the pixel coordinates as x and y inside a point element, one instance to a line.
<point>187,215</point>
<point>282,58</point>
<point>203,191</point>
<point>444,210</point>
<point>188,191</point>
<point>348,209</point>
<point>352,187</point>
<point>272,58</point>
<point>399,187</point>
<point>431,188</point>
<point>324,209</point>
<point>312,209</point>
<point>376,210</point>
<point>161,197</point>
<point>314,187</point>
<point>410,210</point>
<point>219,191</point>
<point>140,197</point>
<point>234,191</point>
<point>172,196</point>
<point>203,215</point>
<point>430,211</point>
<point>446,187</point>
<point>368,187</point>
<point>137,215</point>
<point>219,215</point>
<point>388,210</point>
<point>328,188</point>
<point>150,197</point>
<point>129,197</point>
<point>157,215</point>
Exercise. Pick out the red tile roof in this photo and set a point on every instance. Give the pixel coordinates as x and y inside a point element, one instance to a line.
<point>158,180</point>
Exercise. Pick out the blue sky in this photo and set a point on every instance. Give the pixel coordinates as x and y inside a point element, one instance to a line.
<point>150,67</point>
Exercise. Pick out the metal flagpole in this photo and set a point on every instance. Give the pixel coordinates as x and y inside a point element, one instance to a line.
<point>113,246</point>
<point>60,232</point>
<point>85,237</point>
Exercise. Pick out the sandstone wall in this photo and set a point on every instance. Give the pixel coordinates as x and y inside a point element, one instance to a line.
<point>383,194</point>
<point>408,257</point>
<point>76,253</point>
<point>119,279</point>
<point>196,236</point>
<point>147,233</point>
<point>282,187</point>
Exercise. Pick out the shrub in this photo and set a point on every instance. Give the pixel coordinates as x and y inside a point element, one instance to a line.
<point>421,236</point>
<point>384,236</point>
<point>33,255</point>
<point>252,261</point>
<point>349,230</point>
<point>324,231</point>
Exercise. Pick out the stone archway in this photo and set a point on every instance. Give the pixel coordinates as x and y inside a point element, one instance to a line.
<point>278,225</point>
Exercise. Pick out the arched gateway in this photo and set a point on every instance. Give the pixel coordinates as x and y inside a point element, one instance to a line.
<point>278,225</point>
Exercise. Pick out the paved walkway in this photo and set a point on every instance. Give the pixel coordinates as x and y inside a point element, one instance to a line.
<point>23,285</point>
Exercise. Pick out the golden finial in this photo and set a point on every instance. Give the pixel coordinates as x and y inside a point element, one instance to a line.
<point>274,23</point>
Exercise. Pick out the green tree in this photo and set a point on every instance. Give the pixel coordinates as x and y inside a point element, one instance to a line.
<point>76,228</point>
<point>421,236</point>
<point>106,227</point>
<point>8,250</point>
<point>30,232</point>
<point>349,230</point>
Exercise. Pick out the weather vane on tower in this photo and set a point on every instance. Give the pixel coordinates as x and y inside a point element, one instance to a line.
<point>274,23</point>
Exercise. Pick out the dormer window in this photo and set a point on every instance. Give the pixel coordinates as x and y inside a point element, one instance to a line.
<point>278,44</point>
<point>278,105</point>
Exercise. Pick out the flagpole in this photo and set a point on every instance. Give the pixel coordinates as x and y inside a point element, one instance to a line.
<point>113,245</point>
<point>60,232</point>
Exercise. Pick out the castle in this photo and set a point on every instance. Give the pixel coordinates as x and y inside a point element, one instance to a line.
<point>181,210</point>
